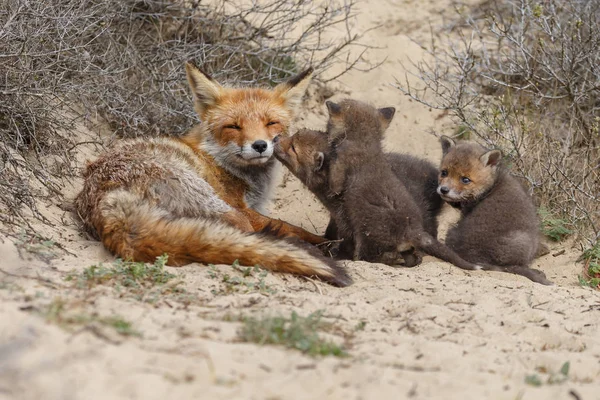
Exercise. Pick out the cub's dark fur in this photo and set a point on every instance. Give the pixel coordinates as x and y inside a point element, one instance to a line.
<point>352,122</point>
<point>420,177</point>
<point>499,228</point>
<point>375,213</point>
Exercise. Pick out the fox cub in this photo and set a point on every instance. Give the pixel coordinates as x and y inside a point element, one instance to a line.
<point>198,198</point>
<point>375,213</point>
<point>499,224</point>
<point>351,122</point>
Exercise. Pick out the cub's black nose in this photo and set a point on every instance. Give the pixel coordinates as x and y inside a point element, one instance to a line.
<point>260,146</point>
<point>444,190</point>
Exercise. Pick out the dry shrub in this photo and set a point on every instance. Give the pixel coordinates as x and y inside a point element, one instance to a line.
<point>524,76</point>
<point>122,60</point>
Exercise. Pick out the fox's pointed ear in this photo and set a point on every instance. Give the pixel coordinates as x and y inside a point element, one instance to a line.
<point>447,143</point>
<point>386,115</point>
<point>319,160</point>
<point>205,89</point>
<point>294,88</point>
<point>491,158</point>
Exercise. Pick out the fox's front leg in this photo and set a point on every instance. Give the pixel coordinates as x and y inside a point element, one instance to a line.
<point>281,228</point>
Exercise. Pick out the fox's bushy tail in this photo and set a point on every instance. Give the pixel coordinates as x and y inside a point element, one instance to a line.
<point>134,229</point>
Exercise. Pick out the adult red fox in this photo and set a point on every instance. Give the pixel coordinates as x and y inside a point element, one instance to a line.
<point>198,198</point>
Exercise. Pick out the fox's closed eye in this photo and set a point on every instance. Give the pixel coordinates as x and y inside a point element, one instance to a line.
<point>270,123</point>
<point>233,126</point>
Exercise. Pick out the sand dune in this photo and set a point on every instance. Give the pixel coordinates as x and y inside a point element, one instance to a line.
<point>431,332</point>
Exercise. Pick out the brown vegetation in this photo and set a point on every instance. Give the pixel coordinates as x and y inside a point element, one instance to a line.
<point>524,76</point>
<point>63,62</point>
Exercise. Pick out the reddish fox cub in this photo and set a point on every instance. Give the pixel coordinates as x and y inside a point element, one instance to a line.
<point>198,198</point>
<point>499,224</point>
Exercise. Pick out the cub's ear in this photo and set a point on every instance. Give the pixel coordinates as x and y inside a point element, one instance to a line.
<point>386,115</point>
<point>447,143</point>
<point>335,124</point>
<point>294,88</point>
<point>205,89</point>
<point>333,108</point>
<point>319,160</point>
<point>491,158</point>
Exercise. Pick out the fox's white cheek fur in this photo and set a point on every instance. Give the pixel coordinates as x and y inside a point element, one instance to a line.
<point>220,152</point>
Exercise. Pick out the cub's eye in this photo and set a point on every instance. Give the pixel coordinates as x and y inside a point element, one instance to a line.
<point>293,148</point>
<point>272,123</point>
<point>465,180</point>
<point>233,126</point>
<point>444,173</point>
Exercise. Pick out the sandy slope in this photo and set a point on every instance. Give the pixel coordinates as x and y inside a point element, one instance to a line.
<point>432,332</point>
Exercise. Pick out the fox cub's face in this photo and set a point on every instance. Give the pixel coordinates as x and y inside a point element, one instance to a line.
<point>243,122</point>
<point>355,120</point>
<point>467,170</point>
<point>305,155</point>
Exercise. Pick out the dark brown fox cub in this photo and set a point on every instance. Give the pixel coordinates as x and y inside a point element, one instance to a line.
<point>420,177</point>
<point>499,224</point>
<point>351,122</point>
<point>375,212</point>
<point>309,162</point>
<point>355,134</point>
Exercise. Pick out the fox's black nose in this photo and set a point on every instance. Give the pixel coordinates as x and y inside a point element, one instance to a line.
<point>444,190</point>
<point>260,146</point>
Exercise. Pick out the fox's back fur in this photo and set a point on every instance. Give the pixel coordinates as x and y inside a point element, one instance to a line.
<point>196,198</point>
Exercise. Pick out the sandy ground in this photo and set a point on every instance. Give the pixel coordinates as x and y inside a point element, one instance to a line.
<point>431,332</point>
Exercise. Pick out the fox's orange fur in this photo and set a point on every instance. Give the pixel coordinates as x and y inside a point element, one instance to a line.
<point>199,198</point>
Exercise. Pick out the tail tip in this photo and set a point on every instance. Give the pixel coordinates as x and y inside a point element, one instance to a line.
<point>337,275</point>
<point>341,278</point>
